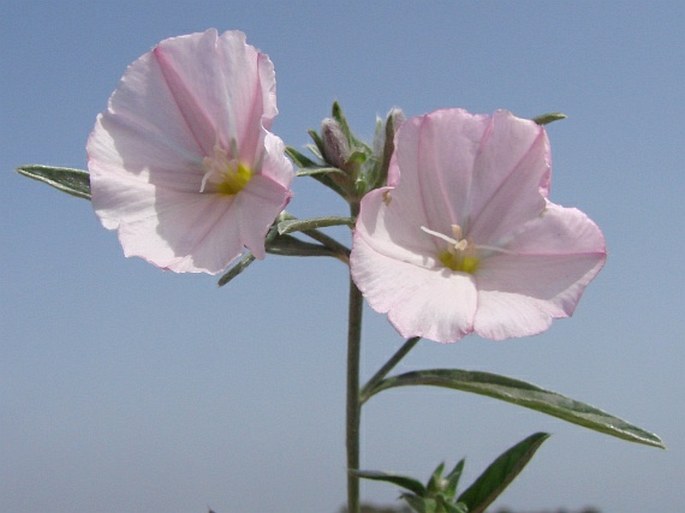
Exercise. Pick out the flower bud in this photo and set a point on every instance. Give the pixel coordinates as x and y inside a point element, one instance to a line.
<point>384,144</point>
<point>336,148</point>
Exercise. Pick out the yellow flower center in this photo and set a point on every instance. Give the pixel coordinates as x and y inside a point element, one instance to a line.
<point>226,175</point>
<point>460,255</point>
<point>235,178</point>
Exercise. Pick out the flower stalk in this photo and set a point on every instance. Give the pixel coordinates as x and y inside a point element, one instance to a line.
<point>353,406</point>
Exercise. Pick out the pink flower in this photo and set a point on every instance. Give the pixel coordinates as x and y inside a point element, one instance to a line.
<point>182,163</point>
<point>464,240</point>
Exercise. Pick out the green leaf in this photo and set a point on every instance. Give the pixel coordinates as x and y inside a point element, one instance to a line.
<point>388,148</point>
<point>72,181</point>
<point>337,114</point>
<point>299,225</point>
<point>436,481</point>
<point>300,159</point>
<point>501,472</point>
<point>318,172</point>
<point>453,478</point>
<point>449,507</point>
<point>235,270</point>
<point>287,245</point>
<point>545,119</point>
<point>318,148</point>
<point>323,170</point>
<point>420,504</point>
<point>522,394</point>
<point>403,481</point>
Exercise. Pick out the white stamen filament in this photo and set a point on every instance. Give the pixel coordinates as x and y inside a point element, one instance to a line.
<point>441,235</point>
<point>460,244</point>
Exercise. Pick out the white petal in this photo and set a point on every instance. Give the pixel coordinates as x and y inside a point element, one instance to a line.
<point>431,303</point>
<point>541,277</point>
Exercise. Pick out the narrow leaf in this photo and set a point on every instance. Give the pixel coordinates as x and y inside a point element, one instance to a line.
<point>523,394</point>
<point>453,478</point>
<point>72,181</point>
<point>300,225</point>
<point>449,507</point>
<point>323,170</point>
<point>420,504</point>
<point>501,472</point>
<point>403,481</point>
<point>318,148</point>
<point>322,175</point>
<point>436,480</point>
<point>545,119</point>
<point>300,159</point>
<point>235,270</point>
<point>337,114</point>
<point>287,245</point>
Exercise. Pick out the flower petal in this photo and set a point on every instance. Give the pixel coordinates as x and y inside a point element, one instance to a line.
<point>258,205</point>
<point>511,175</point>
<point>222,86</point>
<point>541,277</point>
<point>432,303</point>
<point>386,225</point>
<point>183,232</point>
<point>275,165</point>
<point>438,175</point>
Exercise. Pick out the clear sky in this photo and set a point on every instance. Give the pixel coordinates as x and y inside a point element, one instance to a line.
<point>125,389</point>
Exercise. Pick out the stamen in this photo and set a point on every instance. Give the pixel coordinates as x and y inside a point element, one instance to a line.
<point>460,255</point>
<point>441,235</point>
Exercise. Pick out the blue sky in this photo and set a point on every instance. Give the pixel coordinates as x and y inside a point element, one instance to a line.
<point>125,389</point>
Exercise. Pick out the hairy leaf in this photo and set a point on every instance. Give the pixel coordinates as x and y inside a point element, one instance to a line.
<point>523,394</point>
<point>72,181</point>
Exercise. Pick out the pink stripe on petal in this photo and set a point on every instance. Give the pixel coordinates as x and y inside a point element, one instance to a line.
<point>247,94</point>
<point>546,269</point>
<point>191,107</point>
<point>445,171</point>
<point>510,166</point>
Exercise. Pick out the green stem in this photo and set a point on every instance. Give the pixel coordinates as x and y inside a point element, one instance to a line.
<point>341,251</point>
<point>338,250</point>
<point>389,365</point>
<point>353,408</point>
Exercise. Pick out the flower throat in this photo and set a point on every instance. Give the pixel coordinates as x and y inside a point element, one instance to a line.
<point>460,255</point>
<point>228,176</point>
